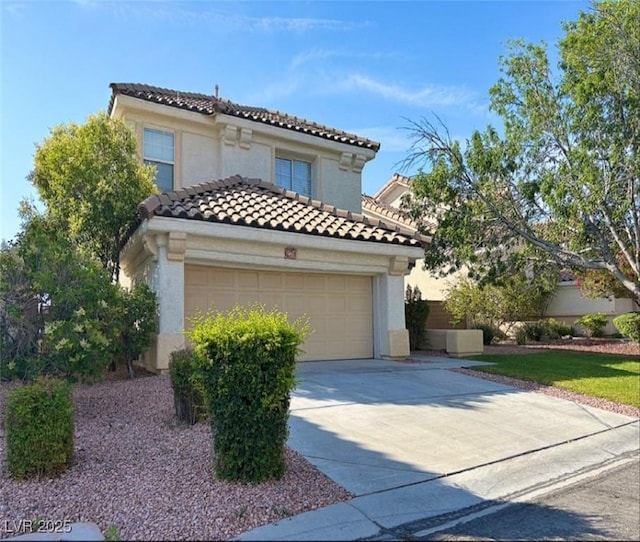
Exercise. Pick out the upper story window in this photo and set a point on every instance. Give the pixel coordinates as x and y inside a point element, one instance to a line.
<point>294,175</point>
<point>158,150</point>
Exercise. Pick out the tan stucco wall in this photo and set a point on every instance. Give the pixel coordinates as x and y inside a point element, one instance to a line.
<point>215,147</point>
<point>568,305</point>
<point>432,287</point>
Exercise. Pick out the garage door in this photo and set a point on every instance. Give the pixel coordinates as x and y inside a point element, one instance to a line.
<point>339,307</point>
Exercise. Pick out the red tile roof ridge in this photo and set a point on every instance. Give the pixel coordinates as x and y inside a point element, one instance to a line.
<point>210,105</point>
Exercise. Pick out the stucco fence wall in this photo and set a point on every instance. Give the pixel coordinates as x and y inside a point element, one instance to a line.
<point>568,305</point>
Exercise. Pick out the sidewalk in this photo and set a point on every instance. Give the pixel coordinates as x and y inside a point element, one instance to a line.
<point>420,445</point>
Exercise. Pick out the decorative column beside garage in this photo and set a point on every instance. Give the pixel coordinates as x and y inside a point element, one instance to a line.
<point>169,287</point>
<point>393,340</point>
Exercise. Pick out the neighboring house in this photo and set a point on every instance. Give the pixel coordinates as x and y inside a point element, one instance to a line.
<point>385,205</point>
<point>568,303</point>
<point>262,207</point>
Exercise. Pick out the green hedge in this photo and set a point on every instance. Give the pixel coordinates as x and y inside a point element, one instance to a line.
<point>247,362</point>
<point>628,325</point>
<point>593,323</point>
<point>39,428</point>
<point>188,389</point>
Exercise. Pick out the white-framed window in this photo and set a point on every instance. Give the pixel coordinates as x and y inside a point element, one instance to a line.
<point>159,151</point>
<point>294,175</point>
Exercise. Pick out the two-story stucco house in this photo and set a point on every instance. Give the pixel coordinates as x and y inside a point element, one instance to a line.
<point>259,206</point>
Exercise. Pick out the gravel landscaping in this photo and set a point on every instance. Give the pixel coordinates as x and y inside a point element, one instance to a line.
<point>136,468</point>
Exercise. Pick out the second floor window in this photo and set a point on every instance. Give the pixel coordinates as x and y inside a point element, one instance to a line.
<point>294,175</point>
<point>158,150</point>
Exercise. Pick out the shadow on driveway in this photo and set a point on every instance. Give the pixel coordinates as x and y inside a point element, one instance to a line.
<point>416,444</point>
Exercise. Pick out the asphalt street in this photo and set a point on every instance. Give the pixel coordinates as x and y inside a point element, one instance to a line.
<point>606,507</point>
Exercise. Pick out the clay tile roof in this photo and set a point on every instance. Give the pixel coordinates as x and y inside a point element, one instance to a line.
<point>370,203</point>
<point>255,203</point>
<point>210,105</point>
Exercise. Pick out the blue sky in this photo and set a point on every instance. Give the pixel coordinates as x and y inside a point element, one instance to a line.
<point>363,67</point>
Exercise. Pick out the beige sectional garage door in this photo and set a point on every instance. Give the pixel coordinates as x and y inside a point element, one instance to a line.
<point>339,307</point>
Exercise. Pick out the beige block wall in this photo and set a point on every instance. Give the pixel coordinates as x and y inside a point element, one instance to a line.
<point>569,305</point>
<point>440,318</point>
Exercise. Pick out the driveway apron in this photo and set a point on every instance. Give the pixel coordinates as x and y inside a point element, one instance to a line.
<point>412,440</point>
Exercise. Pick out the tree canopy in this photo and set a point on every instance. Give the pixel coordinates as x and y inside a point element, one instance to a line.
<point>559,182</point>
<point>91,179</point>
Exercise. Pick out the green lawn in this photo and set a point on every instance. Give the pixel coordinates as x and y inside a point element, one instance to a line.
<point>612,377</point>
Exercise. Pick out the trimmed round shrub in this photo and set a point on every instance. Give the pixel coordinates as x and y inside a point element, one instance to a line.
<point>188,388</point>
<point>593,323</point>
<point>247,361</point>
<point>39,428</point>
<point>628,325</point>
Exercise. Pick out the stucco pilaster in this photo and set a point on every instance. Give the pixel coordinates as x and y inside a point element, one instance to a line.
<point>170,292</point>
<point>392,337</point>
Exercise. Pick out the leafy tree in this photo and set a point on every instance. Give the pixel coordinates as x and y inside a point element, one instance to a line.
<point>63,314</point>
<point>562,183</point>
<point>19,314</point>
<point>91,180</point>
<point>510,299</point>
<point>60,312</point>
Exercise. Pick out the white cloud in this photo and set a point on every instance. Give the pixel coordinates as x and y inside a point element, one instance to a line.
<point>428,96</point>
<point>181,13</point>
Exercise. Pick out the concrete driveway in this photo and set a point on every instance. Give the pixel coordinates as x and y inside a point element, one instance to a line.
<point>414,441</point>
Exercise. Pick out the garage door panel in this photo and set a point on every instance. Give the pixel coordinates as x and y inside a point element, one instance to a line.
<point>336,284</point>
<point>316,304</point>
<point>359,304</point>
<point>358,326</point>
<point>358,284</point>
<point>314,282</point>
<point>247,279</point>
<point>221,279</point>
<point>271,301</point>
<point>295,304</point>
<point>293,281</point>
<point>338,307</point>
<point>336,303</point>
<point>336,326</point>
<point>270,281</point>
<point>245,299</point>
<point>196,276</point>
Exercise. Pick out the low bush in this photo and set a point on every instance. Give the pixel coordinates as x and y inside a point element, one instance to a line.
<point>594,324</point>
<point>628,325</point>
<point>247,361</point>
<point>521,336</point>
<point>188,388</point>
<point>490,333</point>
<point>39,428</point>
<point>546,328</point>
